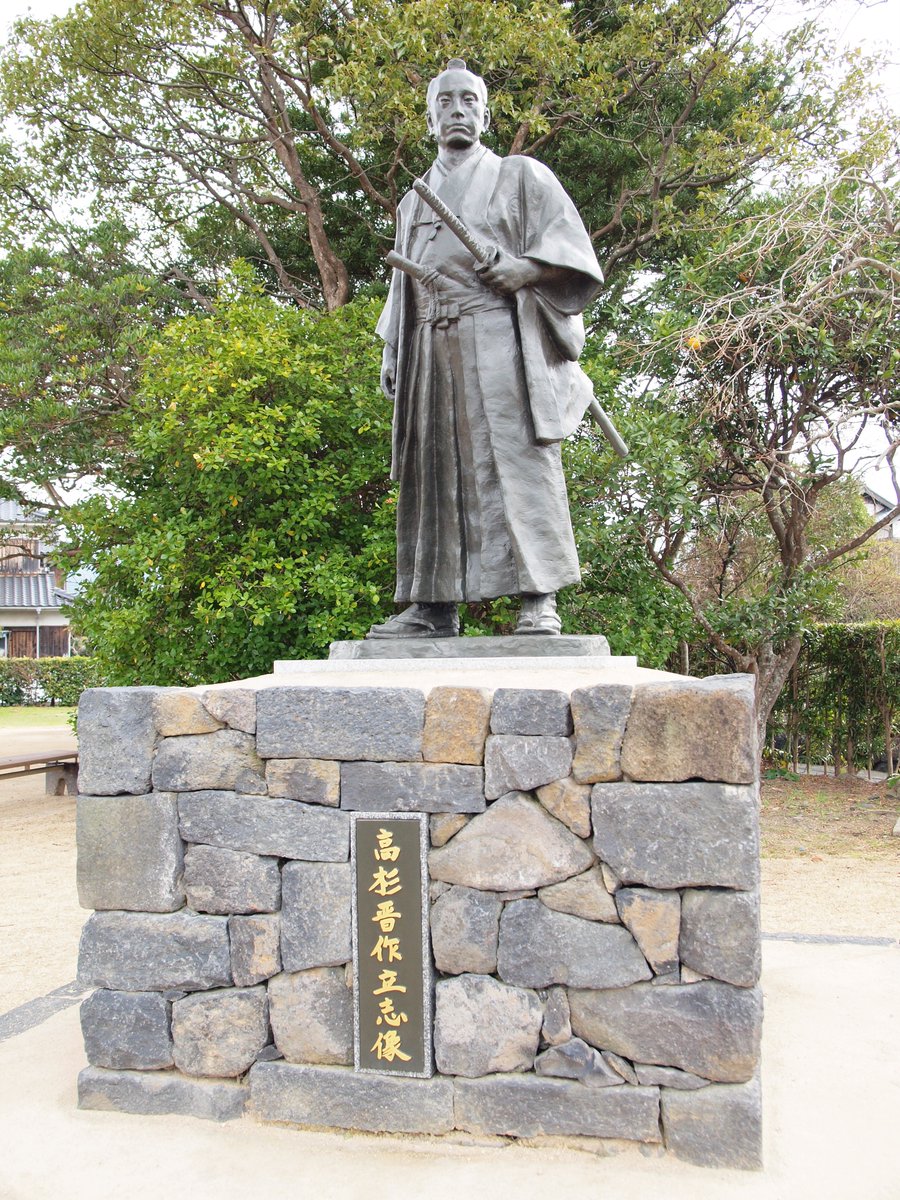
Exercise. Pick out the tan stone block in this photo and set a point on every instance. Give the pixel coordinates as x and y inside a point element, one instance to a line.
<point>442,827</point>
<point>569,802</point>
<point>584,896</point>
<point>312,780</point>
<point>177,711</point>
<point>654,918</point>
<point>235,706</point>
<point>457,722</point>
<point>692,729</point>
<point>610,879</point>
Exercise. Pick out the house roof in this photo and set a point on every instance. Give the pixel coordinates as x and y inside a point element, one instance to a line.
<point>12,513</point>
<point>878,499</point>
<point>35,590</point>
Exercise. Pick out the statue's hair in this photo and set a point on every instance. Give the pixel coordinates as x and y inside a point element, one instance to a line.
<point>455,64</point>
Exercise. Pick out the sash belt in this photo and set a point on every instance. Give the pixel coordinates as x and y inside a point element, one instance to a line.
<point>443,311</point>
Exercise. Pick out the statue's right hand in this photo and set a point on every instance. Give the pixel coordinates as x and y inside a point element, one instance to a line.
<point>389,372</point>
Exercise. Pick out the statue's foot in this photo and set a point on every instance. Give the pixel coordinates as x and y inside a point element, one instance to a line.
<point>420,621</point>
<point>538,615</point>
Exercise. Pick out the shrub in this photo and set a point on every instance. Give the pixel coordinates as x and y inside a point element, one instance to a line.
<point>47,680</point>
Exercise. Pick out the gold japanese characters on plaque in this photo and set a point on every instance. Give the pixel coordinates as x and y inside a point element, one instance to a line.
<point>391,961</point>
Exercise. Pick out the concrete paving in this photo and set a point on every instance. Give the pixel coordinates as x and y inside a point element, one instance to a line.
<point>831,1094</point>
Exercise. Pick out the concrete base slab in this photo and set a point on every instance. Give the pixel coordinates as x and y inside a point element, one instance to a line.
<point>523,646</point>
<point>827,1134</point>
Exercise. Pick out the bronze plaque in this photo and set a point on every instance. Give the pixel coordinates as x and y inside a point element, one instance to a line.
<point>391,959</point>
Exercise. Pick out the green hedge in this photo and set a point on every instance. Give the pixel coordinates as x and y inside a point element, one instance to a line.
<point>46,680</point>
<point>841,704</point>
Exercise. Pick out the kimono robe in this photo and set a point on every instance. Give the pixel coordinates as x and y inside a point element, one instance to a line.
<point>487,386</point>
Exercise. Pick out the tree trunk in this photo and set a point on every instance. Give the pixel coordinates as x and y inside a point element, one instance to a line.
<point>772,669</point>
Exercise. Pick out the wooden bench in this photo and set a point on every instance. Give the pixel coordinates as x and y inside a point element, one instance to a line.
<point>61,770</point>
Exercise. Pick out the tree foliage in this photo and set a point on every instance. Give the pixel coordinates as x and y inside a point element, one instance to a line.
<point>74,324</point>
<point>295,125</point>
<point>741,341</point>
<point>253,519</point>
<point>842,701</point>
<point>770,354</point>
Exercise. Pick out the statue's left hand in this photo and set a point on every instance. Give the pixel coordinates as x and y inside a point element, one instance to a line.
<point>506,274</point>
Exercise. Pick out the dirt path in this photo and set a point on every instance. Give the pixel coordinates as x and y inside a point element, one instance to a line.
<point>40,918</point>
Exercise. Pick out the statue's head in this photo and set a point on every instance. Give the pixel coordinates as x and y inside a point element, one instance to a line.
<point>457,106</point>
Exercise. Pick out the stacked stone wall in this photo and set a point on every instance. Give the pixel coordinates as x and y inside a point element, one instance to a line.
<point>594,906</point>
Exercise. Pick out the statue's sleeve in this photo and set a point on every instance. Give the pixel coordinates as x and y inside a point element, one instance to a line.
<point>390,323</point>
<point>535,214</point>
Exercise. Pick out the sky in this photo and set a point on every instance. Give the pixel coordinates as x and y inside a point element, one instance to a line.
<point>872,24</point>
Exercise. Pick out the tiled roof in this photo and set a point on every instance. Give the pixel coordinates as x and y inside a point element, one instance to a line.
<point>36,590</point>
<point>12,513</point>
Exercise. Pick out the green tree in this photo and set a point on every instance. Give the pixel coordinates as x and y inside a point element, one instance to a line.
<point>770,354</point>
<point>294,126</point>
<point>252,518</point>
<point>75,320</point>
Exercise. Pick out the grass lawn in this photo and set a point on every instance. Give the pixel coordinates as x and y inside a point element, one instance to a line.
<point>819,815</point>
<point>21,716</point>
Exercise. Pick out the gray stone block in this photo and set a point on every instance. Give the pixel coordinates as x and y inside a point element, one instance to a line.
<point>220,1033</point>
<point>539,947</point>
<point>178,711</point>
<point>226,759</point>
<point>583,895</point>
<point>710,1029</point>
<point>693,729</point>
<point>315,915</point>
<point>514,845</point>
<point>255,948</point>
<point>231,881</point>
<point>672,835</point>
<point>376,724</point>
<point>621,1066</point>
<point>160,1093</point>
<point>140,952</point>
<point>312,780</point>
<point>412,787</point>
<point>265,825</point>
<point>482,1026</point>
<point>130,855</point>
<point>669,1077</point>
<point>513,763</point>
<point>654,918</point>
<point>339,1097</point>
<point>557,1028</point>
<point>569,802</point>
<point>575,1059</point>
<point>457,721</point>
<point>720,1126</point>
<point>599,715</point>
<point>720,935</point>
<point>116,738</point>
<point>527,1105</point>
<point>233,706</point>
<point>465,925</point>
<point>126,1031</point>
<point>312,1016</point>
<point>534,711</point>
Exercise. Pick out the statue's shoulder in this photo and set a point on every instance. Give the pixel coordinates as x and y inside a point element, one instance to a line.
<point>521,168</point>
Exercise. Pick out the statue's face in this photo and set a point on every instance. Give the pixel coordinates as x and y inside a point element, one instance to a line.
<point>457,112</point>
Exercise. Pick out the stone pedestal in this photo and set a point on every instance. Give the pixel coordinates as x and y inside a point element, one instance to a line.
<point>593,884</point>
